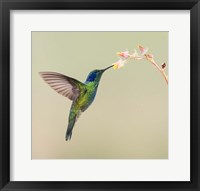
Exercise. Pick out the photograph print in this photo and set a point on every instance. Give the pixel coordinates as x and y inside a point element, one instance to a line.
<point>99,95</point>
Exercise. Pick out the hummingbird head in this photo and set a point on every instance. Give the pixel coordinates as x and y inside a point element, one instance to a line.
<point>95,75</point>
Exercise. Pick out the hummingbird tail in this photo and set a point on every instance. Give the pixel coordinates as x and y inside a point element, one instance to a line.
<point>68,136</point>
<point>72,120</point>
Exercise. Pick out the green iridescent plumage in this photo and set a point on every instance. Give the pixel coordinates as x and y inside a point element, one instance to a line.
<point>81,94</point>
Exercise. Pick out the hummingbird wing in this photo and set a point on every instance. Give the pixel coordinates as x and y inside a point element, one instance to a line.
<point>64,85</point>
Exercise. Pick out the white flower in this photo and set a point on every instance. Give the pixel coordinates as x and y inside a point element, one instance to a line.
<point>120,63</point>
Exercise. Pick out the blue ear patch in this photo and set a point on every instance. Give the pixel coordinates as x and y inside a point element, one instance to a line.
<point>91,77</point>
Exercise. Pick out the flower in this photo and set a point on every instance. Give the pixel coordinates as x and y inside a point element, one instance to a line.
<point>124,54</point>
<point>143,50</point>
<point>163,66</point>
<point>118,64</point>
<point>135,55</point>
<point>150,56</point>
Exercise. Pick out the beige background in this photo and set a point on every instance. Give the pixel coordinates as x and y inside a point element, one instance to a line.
<point>129,117</point>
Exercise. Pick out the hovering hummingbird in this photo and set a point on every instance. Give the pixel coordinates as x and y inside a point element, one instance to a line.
<point>81,94</point>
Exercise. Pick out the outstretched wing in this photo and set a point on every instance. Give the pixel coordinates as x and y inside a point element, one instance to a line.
<point>63,85</point>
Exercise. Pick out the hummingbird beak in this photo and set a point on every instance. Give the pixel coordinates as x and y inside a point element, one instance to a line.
<point>107,68</point>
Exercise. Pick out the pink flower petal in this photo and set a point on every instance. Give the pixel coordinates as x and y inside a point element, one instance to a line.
<point>150,56</point>
<point>143,50</point>
<point>124,54</point>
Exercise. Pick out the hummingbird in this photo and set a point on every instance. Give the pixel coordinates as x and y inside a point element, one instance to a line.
<point>81,94</point>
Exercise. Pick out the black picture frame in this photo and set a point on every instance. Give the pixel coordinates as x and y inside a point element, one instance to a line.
<point>7,5</point>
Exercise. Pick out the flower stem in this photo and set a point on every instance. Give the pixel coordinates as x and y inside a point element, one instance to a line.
<point>160,70</point>
<point>125,57</point>
<point>152,61</point>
